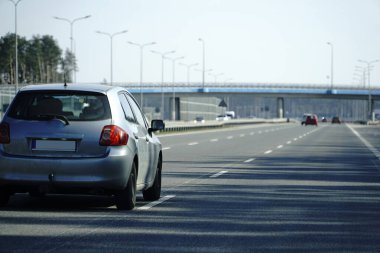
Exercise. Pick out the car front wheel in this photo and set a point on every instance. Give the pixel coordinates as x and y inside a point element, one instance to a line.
<point>126,199</point>
<point>154,192</point>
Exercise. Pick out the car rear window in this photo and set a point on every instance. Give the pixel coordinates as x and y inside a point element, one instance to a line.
<point>74,105</point>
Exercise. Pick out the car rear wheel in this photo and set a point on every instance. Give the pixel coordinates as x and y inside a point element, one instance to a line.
<point>126,199</point>
<point>154,192</point>
<point>4,197</point>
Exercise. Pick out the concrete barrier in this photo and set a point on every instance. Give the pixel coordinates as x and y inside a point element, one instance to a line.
<point>177,126</point>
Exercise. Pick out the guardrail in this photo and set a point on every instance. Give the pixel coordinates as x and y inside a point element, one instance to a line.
<point>178,126</point>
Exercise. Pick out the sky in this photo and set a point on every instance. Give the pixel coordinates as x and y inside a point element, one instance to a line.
<point>252,41</point>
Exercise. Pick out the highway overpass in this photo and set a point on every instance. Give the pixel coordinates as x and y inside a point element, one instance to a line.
<point>161,95</point>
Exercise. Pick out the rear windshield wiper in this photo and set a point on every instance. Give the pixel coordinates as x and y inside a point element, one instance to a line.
<point>54,116</point>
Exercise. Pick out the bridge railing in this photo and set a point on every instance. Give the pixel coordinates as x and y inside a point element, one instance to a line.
<point>147,85</point>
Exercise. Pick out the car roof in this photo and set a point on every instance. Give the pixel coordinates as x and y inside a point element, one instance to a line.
<point>72,87</point>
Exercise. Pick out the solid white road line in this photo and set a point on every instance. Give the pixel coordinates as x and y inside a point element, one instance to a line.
<point>369,145</point>
<point>155,203</point>
<point>219,173</point>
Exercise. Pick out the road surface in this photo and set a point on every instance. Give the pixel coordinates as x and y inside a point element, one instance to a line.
<point>267,188</point>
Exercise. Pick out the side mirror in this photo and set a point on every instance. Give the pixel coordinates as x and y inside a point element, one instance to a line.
<point>156,125</point>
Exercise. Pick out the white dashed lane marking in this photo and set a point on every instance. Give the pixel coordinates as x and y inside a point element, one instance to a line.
<point>219,173</point>
<point>155,203</point>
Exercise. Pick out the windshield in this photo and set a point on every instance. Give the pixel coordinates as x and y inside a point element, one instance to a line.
<point>73,106</point>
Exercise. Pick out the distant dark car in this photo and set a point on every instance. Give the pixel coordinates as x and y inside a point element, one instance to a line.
<point>199,119</point>
<point>335,120</point>
<point>311,120</point>
<point>304,118</point>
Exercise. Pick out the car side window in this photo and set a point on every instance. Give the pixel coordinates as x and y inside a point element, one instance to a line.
<point>137,111</point>
<point>126,108</point>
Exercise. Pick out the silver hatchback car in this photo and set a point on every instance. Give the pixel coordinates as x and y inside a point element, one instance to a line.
<point>90,139</point>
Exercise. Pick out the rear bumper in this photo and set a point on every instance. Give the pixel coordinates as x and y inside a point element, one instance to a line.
<point>107,173</point>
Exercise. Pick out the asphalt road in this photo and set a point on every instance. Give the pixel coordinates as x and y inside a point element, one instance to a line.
<point>267,188</point>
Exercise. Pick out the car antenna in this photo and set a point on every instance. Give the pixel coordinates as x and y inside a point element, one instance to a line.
<point>64,73</point>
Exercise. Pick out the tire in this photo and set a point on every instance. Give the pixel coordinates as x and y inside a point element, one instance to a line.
<point>126,199</point>
<point>154,192</point>
<point>4,197</point>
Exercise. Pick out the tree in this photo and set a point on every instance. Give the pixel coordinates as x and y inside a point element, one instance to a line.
<point>39,59</point>
<point>69,64</point>
<point>51,55</point>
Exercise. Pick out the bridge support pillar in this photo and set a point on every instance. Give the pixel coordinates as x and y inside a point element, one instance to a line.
<point>371,110</point>
<point>280,108</point>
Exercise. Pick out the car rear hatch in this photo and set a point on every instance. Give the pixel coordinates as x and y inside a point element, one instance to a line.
<point>63,124</point>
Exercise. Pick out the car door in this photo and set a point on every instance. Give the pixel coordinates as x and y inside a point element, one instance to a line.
<point>143,141</point>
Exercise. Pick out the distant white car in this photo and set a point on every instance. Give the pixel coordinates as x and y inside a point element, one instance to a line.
<point>223,118</point>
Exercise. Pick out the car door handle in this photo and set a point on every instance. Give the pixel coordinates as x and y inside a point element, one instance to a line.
<point>142,137</point>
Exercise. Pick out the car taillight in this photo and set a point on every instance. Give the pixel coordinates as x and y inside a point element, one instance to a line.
<point>113,136</point>
<point>4,133</point>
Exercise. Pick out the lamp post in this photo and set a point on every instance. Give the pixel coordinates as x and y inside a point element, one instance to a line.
<point>362,74</point>
<point>216,76</point>
<point>111,41</point>
<point>203,62</point>
<point>173,80</point>
<point>369,66</point>
<point>188,66</point>
<point>332,64</point>
<point>71,23</point>
<point>205,71</point>
<point>163,57</point>
<point>16,42</point>
<point>228,80</point>
<point>141,46</point>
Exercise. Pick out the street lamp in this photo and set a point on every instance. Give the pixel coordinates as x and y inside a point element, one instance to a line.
<point>228,80</point>
<point>362,74</point>
<point>163,57</point>
<point>173,80</point>
<point>188,66</point>
<point>205,71</point>
<point>332,63</point>
<point>16,49</point>
<point>203,62</point>
<point>216,76</point>
<point>111,40</point>
<point>141,46</point>
<point>369,66</point>
<point>71,23</point>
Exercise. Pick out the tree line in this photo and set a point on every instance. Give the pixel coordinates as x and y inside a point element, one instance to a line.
<point>40,60</point>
